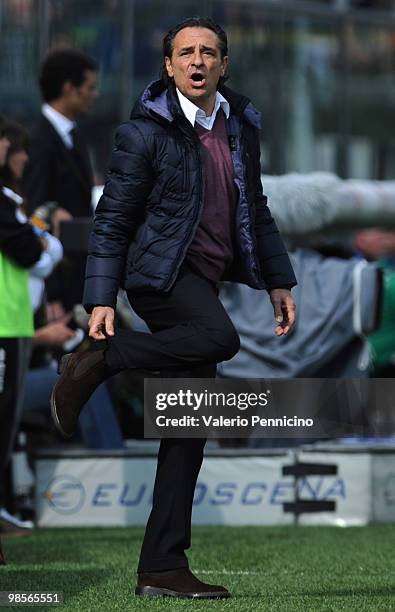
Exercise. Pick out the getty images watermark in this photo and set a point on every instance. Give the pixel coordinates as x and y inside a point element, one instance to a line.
<point>186,398</point>
<point>275,408</point>
<point>222,408</point>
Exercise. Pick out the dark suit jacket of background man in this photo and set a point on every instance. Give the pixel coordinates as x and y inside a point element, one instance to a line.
<point>58,174</point>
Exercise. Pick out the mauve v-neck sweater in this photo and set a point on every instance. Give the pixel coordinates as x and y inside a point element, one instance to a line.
<point>211,250</point>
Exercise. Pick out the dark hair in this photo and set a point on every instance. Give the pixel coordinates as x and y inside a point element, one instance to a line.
<point>193,22</point>
<point>19,141</point>
<point>61,66</point>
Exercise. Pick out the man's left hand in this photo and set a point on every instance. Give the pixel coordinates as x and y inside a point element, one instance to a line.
<point>284,310</point>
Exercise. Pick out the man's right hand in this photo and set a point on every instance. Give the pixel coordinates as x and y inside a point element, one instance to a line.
<point>101,323</point>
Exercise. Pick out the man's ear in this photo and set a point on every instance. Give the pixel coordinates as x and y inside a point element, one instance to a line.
<point>169,68</point>
<point>224,65</point>
<point>67,88</point>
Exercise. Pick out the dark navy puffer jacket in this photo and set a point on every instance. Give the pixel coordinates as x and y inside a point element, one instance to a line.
<point>153,198</point>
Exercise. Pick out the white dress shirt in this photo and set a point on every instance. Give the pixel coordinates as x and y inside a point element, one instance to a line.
<point>63,125</point>
<point>194,113</point>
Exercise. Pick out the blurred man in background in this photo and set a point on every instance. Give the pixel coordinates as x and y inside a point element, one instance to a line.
<point>378,244</point>
<point>59,169</point>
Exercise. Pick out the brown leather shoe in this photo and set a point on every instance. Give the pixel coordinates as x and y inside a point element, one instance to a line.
<point>178,583</point>
<point>80,374</point>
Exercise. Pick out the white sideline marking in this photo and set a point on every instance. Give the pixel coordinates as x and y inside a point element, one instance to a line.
<point>245,572</point>
<point>229,572</point>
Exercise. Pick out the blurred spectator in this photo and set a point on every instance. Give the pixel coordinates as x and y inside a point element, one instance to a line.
<point>59,169</point>
<point>20,248</point>
<point>11,174</point>
<point>379,244</point>
<point>50,340</point>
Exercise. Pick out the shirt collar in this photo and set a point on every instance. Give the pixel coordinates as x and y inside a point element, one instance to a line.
<point>194,113</point>
<point>63,125</point>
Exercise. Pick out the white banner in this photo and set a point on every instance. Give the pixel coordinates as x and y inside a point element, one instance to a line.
<point>118,491</point>
<point>230,490</point>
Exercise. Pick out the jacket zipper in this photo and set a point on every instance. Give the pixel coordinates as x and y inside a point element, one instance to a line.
<point>184,247</point>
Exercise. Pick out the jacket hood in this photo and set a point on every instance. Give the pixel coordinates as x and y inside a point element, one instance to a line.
<point>160,103</point>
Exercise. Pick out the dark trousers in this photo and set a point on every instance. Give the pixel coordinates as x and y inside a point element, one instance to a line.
<point>191,333</point>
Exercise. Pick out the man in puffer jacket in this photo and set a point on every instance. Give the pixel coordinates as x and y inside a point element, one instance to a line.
<point>182,209</point>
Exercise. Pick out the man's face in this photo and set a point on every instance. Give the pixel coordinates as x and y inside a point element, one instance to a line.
<point>375,243</point>
<point>82,97</point>
<point>196,65</point>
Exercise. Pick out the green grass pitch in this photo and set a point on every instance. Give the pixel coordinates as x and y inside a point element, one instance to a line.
<point>282,569</point>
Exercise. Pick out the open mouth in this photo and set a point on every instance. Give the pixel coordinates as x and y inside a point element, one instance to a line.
<point>198,79</point>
